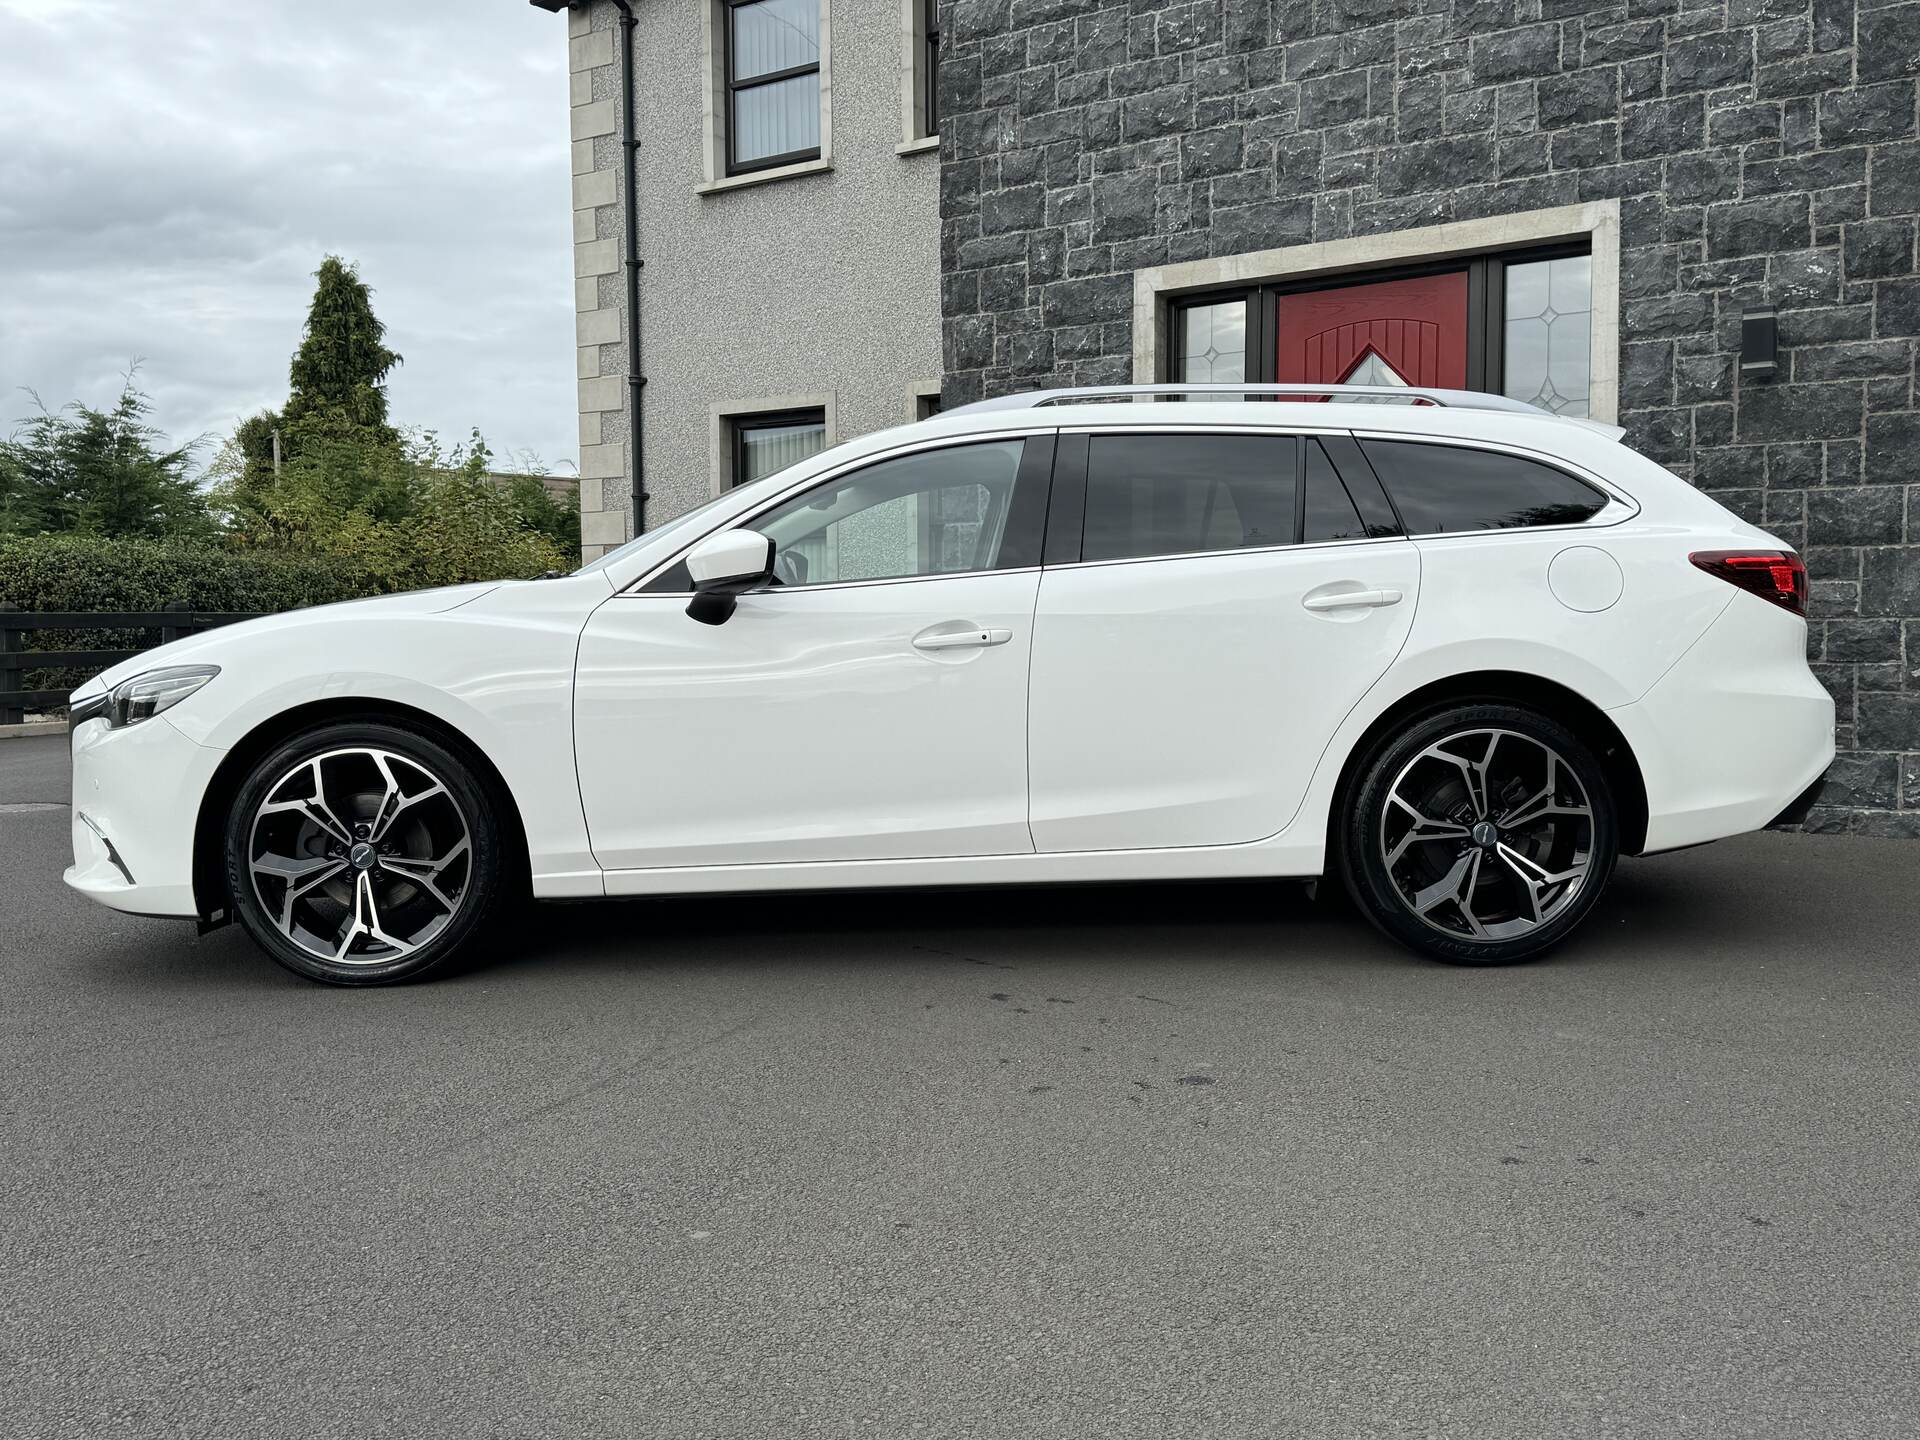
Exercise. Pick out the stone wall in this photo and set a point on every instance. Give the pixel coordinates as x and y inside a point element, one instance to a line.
<point>1762,151</point>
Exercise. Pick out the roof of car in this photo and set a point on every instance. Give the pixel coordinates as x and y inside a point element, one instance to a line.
<point>1347,405</point>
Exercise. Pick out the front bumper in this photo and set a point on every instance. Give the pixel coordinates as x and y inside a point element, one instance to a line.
<point>136,800</point>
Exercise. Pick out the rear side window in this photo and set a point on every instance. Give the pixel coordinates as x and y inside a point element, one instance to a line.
<point>1329,513</point>
<point>1446,489</point>
<point>1180,494</point>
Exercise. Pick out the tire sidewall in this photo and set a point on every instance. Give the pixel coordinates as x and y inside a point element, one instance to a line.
<point>455,773</point>
<point>1364,870</point>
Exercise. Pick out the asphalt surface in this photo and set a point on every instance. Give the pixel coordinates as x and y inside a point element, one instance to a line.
<point>1189,1161</point>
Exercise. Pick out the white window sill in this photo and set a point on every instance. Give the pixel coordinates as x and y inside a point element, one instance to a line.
<point>765,177</point>
<point>917,147</point>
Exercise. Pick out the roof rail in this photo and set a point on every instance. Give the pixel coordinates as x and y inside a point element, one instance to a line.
<point>1368,394</point>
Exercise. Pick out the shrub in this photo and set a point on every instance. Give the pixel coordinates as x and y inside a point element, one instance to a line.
<point>80,572</point>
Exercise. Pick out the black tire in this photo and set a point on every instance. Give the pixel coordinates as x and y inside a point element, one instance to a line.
<point>1497,906</point>
<point>407,905</point>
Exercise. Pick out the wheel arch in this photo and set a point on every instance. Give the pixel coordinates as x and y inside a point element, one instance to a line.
<point>1568,706</point>
<point>209,870</point>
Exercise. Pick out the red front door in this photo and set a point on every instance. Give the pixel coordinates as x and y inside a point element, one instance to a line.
<point>1408,332</point>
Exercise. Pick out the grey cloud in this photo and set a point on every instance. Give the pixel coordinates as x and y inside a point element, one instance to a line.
<point>171,174</point>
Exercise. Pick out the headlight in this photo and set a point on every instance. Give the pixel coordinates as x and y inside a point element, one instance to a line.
<point>145,696</point>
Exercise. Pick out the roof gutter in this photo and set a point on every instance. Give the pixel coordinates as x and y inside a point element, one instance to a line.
<point>630,148</point>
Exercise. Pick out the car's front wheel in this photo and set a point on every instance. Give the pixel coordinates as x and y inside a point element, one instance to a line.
<point>1482,835</point>
<point>363,853</point>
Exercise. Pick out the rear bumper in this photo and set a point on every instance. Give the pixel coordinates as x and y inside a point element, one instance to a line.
<point>1796,813</point>
<point>1736,734</point>
<point>136,799</point>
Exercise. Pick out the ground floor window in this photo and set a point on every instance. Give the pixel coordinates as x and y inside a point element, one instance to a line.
<point>765,443</point>
<point>1515,324</point>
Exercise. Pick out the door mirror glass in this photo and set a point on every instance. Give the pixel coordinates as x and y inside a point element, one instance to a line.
<point>724,567</point>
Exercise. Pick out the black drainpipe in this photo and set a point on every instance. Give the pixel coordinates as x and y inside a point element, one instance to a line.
<point>636,382</point>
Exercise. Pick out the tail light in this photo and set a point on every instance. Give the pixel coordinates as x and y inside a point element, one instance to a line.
<point>1776,575</point>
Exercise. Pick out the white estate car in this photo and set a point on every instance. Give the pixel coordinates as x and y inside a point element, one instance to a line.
<point>1457,651</point>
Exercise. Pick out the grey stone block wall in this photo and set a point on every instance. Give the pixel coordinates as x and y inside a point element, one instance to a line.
<point>1762,151</point>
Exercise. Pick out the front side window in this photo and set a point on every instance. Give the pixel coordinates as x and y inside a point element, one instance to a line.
<point>1183,494</point>
<point>764,444</point>
<point>938,512</point>
<point>1448,489</point>
<point>773,83</point>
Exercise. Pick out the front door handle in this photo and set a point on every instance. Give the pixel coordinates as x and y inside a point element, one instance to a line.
<point>1342,599</point>
<point>960,639</point>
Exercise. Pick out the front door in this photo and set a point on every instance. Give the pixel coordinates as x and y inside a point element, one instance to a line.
<point>1391,332</point>
<point>870,705</point>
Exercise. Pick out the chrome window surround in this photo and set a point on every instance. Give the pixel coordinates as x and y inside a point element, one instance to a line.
<point>1619,508</point>
<point>636,590</point>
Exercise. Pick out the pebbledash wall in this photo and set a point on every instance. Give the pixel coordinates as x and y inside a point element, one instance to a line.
<point>810,285</point>
<point>1101,159</point>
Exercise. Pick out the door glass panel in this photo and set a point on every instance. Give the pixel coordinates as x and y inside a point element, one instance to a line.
<point>1447,488</point>
<point>1330,513</point>
<point>939,512</point>
<point>1180,494</point>
<point>1214,343</point>
<point>1370,369</point>
<point>1549,334</point>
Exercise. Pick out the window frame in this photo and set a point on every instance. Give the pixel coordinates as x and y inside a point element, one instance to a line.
<point>1026,525</point>
<point>1619,505</point>
<point>1486,309</point>
<point>738,427</point>
<point>732,87</point>
<point>1066,516</point>
<point>930,69</point>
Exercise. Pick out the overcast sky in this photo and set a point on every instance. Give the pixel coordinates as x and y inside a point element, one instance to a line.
<point>172,172</point>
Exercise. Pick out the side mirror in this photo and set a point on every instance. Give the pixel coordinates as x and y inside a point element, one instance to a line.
<point>724,567</point>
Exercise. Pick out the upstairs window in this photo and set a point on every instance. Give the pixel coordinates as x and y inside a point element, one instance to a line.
<point>773,83</point>
<point>768,442</point>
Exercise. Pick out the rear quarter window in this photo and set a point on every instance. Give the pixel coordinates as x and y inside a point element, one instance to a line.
<point>1450,489</point>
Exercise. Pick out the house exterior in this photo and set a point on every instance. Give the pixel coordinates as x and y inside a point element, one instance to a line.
<point>786,181</point>
<point>1695,219</point>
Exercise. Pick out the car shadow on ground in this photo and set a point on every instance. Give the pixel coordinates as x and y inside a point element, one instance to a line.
<point>1259,922</point>
<point>1662,911</point>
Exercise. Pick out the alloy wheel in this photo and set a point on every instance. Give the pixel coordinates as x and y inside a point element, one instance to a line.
<point>360,856</point>
<point>1487,835</point>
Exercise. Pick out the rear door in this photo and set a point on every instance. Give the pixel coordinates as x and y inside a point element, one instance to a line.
<point>1213,605</point>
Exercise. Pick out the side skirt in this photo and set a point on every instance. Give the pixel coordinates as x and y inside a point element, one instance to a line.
<point>1269,859</point>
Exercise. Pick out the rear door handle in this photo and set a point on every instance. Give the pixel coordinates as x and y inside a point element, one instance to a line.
<point>961,639</point>
<point>1342,599</point>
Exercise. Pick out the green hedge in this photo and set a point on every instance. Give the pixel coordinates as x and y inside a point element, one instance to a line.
<point>76,572</point>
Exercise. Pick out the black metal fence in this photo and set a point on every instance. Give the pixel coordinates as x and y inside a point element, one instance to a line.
<point>21,657</point>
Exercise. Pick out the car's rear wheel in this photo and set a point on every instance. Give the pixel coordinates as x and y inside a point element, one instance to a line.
<point>363,854</point>
<point>1482,835</point>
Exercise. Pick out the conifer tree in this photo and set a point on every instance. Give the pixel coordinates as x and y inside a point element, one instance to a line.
<point>341,368</point>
